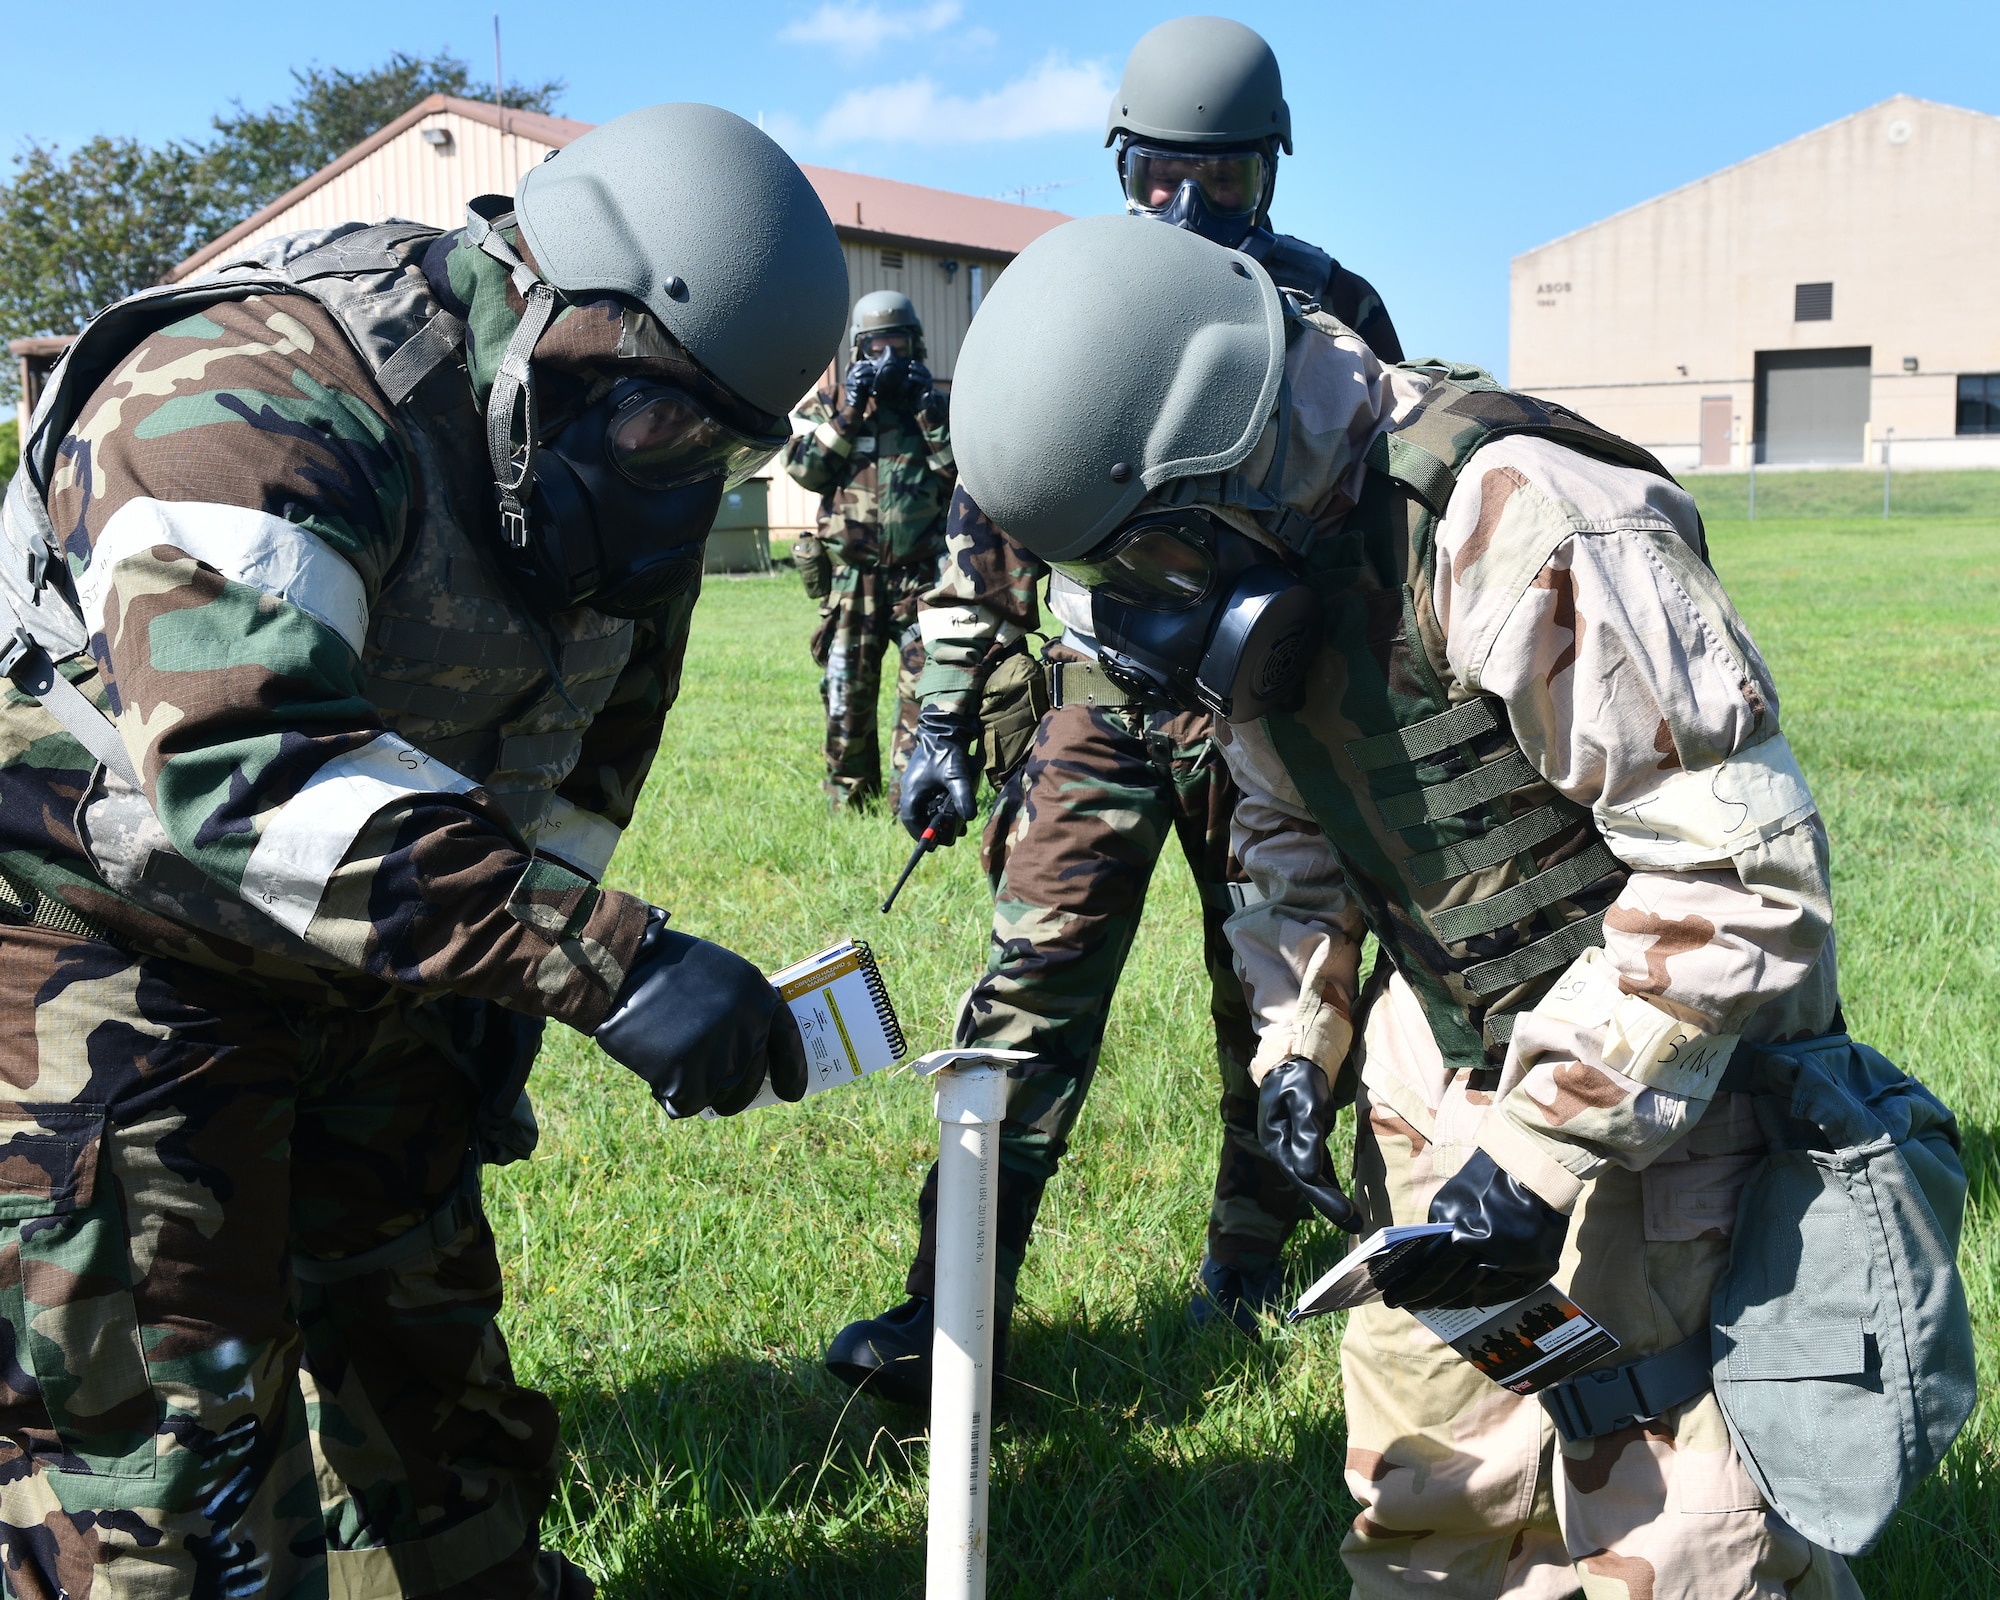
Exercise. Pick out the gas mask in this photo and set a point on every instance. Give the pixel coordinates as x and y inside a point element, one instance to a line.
<point>1215,193</point>
<point>1190,610</point>
<point>624,494</point>
<point>610,504</point>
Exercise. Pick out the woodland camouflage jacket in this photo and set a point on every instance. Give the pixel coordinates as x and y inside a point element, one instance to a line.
<point>884,477</point>
<point>338,709</point>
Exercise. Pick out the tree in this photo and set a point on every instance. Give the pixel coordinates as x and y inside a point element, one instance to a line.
<point>261,154</point>
<point>81,230</point>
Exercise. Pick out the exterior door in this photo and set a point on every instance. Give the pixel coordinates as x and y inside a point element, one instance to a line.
<point>1716,410</point>
<point>1812,405</point>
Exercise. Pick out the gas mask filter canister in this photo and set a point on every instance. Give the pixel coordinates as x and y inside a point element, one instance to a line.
<point>1191,611</point>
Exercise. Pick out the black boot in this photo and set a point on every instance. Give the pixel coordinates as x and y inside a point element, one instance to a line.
<point>891,1354</point>
<point>1237,1295</point>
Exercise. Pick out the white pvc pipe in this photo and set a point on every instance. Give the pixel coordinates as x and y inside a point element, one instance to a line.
<point>971,1103</point>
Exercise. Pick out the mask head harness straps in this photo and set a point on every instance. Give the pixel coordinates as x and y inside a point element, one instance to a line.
<point>514,384</point>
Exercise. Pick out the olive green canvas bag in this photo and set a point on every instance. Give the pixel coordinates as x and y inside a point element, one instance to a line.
<point>1011,708</point>
<point>1842,1343</point>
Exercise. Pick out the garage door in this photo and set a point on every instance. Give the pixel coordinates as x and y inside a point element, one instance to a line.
<point>1812,405</point>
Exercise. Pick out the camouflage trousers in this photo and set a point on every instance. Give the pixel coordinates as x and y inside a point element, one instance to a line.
<point>249,1298</point>
<point>869,611</point>
<point>1070,851</point>
<point>1466,1491</point>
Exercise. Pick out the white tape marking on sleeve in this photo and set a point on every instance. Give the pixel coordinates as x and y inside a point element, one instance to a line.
<point>252,547</point>
<point>1709,817</point>
<point>949,624</point>
<point>302,845</point>
<point>581,838</point>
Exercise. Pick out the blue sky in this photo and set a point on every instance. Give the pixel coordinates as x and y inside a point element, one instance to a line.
<point>1436,138</point>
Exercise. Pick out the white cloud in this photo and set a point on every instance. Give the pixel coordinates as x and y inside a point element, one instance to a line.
<point>1059,96</point>
<point>858,30</point>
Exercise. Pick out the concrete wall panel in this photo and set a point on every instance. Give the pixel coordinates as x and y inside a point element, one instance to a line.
<point>1634,319</point>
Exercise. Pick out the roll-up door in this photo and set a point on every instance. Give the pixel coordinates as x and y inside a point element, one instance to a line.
<point>1812,405</point>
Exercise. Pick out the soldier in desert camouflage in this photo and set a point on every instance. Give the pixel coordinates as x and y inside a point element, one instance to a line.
<point>1111,783</point>
<point>877,450</point>
<point>316,745</point>
<point>1483,697</point>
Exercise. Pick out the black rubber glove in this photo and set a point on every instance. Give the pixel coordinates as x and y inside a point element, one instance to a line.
<point>934,409</point>
<point>860,383</point>
<point>702,1026</point>
<point>941,768</point>
<point>1294,1119</point>
<point>1505,1241</point>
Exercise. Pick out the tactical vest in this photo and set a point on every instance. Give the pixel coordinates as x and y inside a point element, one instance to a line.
<point>1481,881</point>
<point>455,663</point>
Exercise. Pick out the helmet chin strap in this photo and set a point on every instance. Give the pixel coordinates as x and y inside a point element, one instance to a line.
<point>514,384</point>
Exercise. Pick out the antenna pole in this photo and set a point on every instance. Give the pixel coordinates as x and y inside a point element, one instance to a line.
<point>499,98</point>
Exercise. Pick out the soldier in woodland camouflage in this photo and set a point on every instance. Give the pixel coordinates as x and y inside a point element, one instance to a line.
<point>1079,828</point>
<point>1521,736</point>
<point>877,450</point>
<point>313,752</point>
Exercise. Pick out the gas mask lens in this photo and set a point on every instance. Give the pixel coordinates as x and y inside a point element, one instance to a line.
<point>874,346</point>
<point>661,438</point>
<point>1231,181</point>
<point>1161,562</point>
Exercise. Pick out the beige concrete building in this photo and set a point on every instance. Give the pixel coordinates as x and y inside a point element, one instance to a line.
<point>1809,305</point>
<point>941,249</point>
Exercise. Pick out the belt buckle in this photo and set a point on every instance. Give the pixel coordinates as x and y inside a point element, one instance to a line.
<point>1581,1409</point>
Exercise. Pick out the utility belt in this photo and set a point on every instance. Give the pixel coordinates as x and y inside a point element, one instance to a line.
<point>1020,691</point>
<point>20,902</point>
<point>1086,683</point>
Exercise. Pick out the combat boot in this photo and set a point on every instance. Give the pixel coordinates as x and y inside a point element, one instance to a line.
<point>890,1355</point>
<point>1236,1294</point>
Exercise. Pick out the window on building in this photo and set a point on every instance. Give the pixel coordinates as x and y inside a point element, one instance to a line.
<point>1979,402</point>
<point>892,261</point>
<point>1812,302</point>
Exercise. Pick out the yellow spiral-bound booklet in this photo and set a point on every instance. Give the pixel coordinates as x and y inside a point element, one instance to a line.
<point>844,1014</point>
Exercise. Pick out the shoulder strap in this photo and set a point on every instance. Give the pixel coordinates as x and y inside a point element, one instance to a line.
<point>1466,410</point>
<point>1292,262</point>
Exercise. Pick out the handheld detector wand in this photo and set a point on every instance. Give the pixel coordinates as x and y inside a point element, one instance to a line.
<point>942,829</point>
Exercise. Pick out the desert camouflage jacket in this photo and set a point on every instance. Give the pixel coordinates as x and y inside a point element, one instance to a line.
<point>346,725</point>
<point>1570,591</point>
<point>884,477</point>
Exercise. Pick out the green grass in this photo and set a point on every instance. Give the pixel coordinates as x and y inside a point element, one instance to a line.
<point>674,1285</point>
<point>1784,496</point>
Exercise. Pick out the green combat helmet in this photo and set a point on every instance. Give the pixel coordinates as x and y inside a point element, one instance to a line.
<point>704,220</point>
<point>1112,357</point>
<point>1201,82</point>
<point>886,311</point>
<point>1199,119</point>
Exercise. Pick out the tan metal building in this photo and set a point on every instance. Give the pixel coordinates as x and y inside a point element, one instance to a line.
<point>941,249</point>
<point>1808,305</point>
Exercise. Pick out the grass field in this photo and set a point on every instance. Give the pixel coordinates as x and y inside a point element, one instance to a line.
<point>674,1285</point>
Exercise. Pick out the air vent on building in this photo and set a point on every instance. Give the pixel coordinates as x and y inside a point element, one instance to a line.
<point>1812,302</point>
<point>892,261</point>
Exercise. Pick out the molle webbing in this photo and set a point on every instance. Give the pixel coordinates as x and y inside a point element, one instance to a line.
<point>1481,880</point>
<point>1396,753</point>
